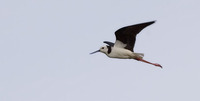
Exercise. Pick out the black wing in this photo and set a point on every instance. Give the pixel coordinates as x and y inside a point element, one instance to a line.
<point>109,43</point>
<point>127,35</point>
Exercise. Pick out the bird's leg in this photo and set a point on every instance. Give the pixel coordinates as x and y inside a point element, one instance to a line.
<point>155,64</point>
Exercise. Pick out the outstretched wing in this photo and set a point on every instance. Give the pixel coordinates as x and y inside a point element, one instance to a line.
<point>109,43</point>
<point>126,36</point>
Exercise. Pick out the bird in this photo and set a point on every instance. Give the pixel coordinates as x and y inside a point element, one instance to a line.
<point>123,48</point>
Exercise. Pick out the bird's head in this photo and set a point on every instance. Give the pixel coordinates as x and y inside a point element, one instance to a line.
<point>103,49</point>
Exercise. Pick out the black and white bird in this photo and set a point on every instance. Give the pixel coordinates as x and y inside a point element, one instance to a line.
<point>124,44</point>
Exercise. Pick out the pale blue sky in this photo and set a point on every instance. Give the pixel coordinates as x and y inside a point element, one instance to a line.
<point>45,46</point>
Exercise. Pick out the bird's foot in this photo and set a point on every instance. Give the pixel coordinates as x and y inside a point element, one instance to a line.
<point>155,64</point>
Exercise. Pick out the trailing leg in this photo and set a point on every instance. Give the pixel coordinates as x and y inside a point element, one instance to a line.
<point>155,64</point>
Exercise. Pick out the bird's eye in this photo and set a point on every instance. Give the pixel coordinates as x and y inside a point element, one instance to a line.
<point>102,48</point>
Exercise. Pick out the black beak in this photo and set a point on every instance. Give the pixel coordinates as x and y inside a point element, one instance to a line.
<point>95,52</point>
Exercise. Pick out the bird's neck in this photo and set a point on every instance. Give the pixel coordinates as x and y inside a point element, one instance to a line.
<point>109,49</point>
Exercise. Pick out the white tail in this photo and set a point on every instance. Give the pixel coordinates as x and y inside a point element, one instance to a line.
<point>141,55</point>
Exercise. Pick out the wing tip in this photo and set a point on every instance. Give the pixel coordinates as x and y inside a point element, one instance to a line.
<point>108,43</point>
<point>151,22</point>
<point>145,24</point>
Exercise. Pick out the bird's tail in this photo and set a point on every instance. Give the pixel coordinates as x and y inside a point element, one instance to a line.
<point>140,55</point>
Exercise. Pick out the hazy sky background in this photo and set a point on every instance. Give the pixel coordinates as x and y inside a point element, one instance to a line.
<point>45,46</point>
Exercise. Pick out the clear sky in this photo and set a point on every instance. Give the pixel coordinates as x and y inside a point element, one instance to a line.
<point>45,46</point>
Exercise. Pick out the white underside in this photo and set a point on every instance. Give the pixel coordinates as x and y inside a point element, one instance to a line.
<point>122,53</point>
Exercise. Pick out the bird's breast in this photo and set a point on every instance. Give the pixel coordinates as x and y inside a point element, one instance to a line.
<point>121,53</point>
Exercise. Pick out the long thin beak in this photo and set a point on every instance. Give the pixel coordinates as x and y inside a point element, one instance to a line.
<point>95,52</point>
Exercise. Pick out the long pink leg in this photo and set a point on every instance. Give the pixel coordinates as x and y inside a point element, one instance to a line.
<point>155,64</point>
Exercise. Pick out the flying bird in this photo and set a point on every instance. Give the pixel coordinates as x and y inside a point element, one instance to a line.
<point>124,44</point>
